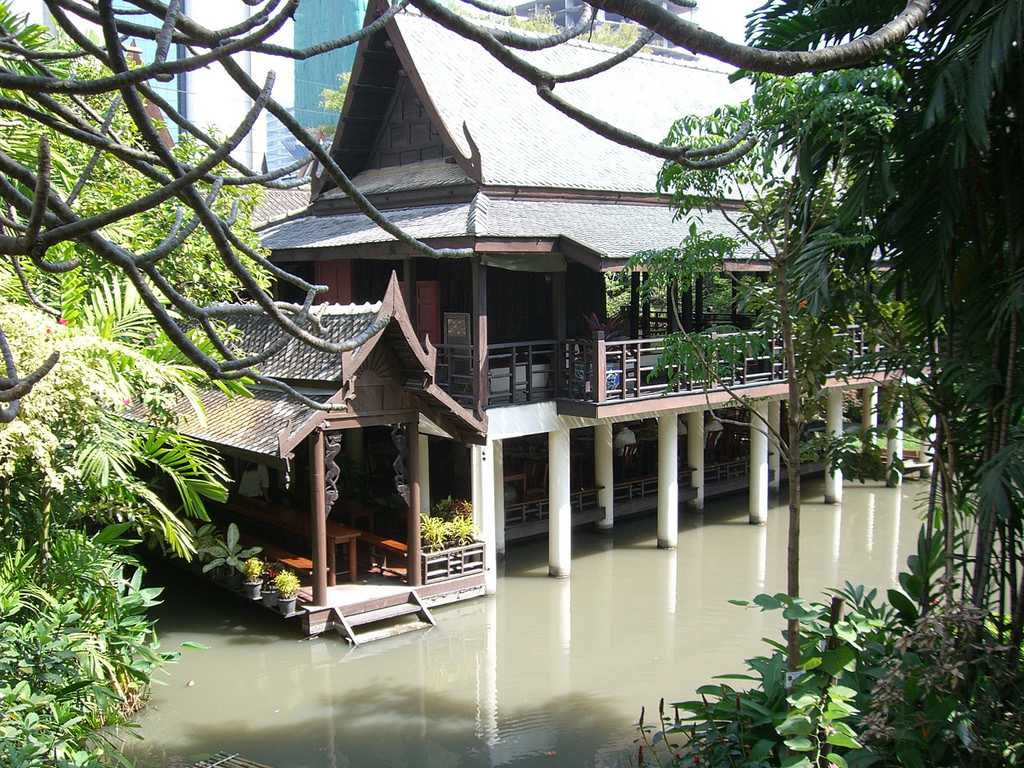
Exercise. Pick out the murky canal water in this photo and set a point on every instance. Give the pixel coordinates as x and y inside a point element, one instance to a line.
<point>547,673</point>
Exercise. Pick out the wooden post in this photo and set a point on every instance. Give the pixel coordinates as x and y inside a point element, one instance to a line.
<point>318,522</point>
<point>634,304</point>
<point>409,281</point>
<point>600,367</point>
<point>480,363</point>
<point>698,305</point>
<point>412,438</point>
<point>645,313</point>
<point>560,356</point>
<point>734,289</point>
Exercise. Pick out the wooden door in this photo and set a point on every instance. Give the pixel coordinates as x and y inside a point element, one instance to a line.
<point>428,310</point>
<point>337,276</point>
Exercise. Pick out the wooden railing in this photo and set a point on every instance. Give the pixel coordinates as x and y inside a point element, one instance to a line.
<point>532,371</point>
<point>530,511</point>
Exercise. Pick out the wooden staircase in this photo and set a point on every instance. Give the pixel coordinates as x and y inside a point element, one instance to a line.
<point>387,612</point>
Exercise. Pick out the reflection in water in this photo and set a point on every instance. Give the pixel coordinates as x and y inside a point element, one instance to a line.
<point>550,672</point>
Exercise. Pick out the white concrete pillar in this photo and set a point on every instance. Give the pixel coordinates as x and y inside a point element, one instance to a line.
<point>834,428</point>
<point>559,508</point>
<point>774,446</point>
<point>604,473</point>
<point>668,480</point>
<point>695,454</point>
<point>485,517</point>
<point>869,407</point>
<point>758,464</point>
<point>424,474</point>
<point>894,445</point>
<point>498,467</point>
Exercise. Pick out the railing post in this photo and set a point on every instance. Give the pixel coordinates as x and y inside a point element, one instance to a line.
<point>600,368</point>
<point>637,367</point>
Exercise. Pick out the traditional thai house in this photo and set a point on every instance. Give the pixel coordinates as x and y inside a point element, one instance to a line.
<point>506,379</point>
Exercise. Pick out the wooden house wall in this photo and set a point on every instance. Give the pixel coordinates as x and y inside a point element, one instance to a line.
<point>406,135</point>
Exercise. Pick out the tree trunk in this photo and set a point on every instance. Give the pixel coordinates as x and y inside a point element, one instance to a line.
<point>794,420</point>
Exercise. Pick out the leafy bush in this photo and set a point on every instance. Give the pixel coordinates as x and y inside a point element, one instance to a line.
<point>77,651</point>
<point>888,684</point>
<point>229,552</point>
<point>461,531</point>
<point>287,584</point>
<point>451,509</point>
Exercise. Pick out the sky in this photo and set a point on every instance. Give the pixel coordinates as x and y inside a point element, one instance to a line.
<point>725,17</point>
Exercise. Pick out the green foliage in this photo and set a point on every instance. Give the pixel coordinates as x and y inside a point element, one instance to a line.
<point>450,509</point>
<point>287,585</point>
<point>434,531</point>
<point>880,686</point>
<point>461,530</point>
<point>77,650</point>
<point>229,553</point>
<point>252,569</point>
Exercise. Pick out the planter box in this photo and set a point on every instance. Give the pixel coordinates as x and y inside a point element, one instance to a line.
<point>452,563</point>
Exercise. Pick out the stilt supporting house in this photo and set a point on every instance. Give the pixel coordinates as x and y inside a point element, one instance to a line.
<point>774,446</point>
<point>869,407</point>
<point>604,473</point>
<point>318,517</point>
<point>559,506</point>
<point>668,479</point>
<point>759,463</point>
<point>834,428</point>
<point>894,443</point>
<point>695,442</point>
<point>498,471</point>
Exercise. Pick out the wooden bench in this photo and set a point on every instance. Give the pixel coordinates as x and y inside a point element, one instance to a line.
<point>279,554</point>
<point>381,547</point>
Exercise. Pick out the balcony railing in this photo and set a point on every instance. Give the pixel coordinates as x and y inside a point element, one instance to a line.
<point>533,371</point>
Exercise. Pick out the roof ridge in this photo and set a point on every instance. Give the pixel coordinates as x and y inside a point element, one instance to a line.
<point>476,220</point>
<point>578,42</point>
<point>331,309</point>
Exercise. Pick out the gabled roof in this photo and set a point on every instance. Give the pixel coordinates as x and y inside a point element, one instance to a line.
<point>521,140</point>
<point>338,324</point>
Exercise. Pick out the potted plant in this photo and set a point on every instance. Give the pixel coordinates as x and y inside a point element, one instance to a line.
<point>434,532</point>
<point>229,556</point>
<point>269,593</point>
<point>461,531</point>
<point>253,570</point>
<point>287,584</point>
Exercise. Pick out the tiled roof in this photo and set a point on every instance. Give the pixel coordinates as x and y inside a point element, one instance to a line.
<point>245,423</point>
<point>523,141</point>
<point>448,220</point>
<point>615,230</point>
<point>299,361</point>
<point>423,175</point>
<point>278,203</point>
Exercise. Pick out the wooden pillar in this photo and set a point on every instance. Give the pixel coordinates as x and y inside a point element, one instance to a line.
<point>318,513</point>
<point>634,305</point>
<point>409,283</point>
<point>645,312</point>
<point>734,290</point>
<point>698,305</point>
<point>558,305</point>
<point>480,363</point>
<point>412,441</point>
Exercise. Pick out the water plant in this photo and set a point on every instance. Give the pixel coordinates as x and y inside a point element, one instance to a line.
<point>229,553</point>
<point>287,585</point>
<point>434,532</point>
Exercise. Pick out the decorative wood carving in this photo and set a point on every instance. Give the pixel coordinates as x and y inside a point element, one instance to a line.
<point>332,447</point>
<point>400,438</point>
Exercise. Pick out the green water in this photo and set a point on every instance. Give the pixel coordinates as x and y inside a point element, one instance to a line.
<point>548,672</point>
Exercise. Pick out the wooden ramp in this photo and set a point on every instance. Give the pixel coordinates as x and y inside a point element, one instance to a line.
<point>386,616</point>
<point>226,760</point>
